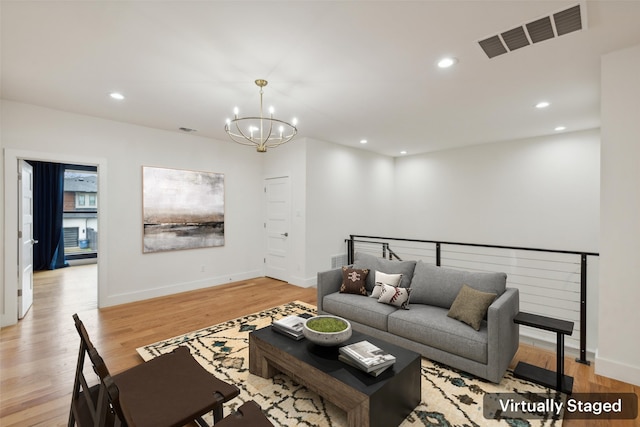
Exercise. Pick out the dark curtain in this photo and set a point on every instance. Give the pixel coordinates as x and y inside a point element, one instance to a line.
<point>48,200</point>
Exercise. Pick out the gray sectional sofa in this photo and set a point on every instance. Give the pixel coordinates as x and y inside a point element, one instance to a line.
<point>425,326</point>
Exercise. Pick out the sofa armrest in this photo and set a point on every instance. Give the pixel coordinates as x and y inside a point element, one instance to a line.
<point>328,282</point>
<point>504,335</point>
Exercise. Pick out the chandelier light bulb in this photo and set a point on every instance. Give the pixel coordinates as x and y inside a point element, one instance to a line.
<point>294,121</point>
<point>271,111</point>
<point>236,111</point>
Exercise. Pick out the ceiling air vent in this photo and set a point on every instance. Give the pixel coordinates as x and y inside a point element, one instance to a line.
<point>544,28</point>
<point>492,46</point>
<point>515,39</point>
<point>568,20</point>
<point>540,30</point>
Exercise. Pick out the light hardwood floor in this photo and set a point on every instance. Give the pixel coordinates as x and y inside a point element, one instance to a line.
<point>38,356</point>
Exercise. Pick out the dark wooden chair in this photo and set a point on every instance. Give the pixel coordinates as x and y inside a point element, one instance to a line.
<point>248,414</point>
<point>170,390</point>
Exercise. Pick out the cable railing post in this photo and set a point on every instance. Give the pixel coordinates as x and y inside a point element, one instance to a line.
<point>583,310</point>
<point>384,250</point>
<point>438,255</point>
<point>350,250</point>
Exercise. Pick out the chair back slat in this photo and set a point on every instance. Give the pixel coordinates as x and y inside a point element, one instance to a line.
<point>90,406</point>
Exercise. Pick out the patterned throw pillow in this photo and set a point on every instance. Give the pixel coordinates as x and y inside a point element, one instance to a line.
<point>470,306</point>
<point>384,278</point>
<point>396,296</point>
<point>353,281</point>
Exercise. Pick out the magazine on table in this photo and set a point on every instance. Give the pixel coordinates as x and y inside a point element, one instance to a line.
<point>291,326</point>
<point>350,362</point>
<point>368,356</point>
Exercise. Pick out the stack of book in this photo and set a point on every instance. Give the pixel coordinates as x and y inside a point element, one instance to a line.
<point>291,326</point>
<point>366,357</point>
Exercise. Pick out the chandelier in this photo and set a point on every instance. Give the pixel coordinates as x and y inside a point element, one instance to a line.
<point>260,132</point>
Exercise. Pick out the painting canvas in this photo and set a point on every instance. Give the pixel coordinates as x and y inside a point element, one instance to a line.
<point>182,209</point>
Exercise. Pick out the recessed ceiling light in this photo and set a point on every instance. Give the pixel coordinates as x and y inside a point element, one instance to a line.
<point>447,62</point>
<point>403,152</point>
<point>559,128</point>
<point>543,104</point>
<point>363,141</point>
<point>117,95</point>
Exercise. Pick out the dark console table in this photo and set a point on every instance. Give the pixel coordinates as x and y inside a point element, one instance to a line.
<point>556,380</point>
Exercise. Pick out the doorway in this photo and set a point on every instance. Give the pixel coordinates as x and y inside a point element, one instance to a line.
<point>11,160</point>
<point>65,224</point>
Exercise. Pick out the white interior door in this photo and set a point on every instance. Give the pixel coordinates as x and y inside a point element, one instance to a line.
<point>25,238</point>
<point>277,226</point>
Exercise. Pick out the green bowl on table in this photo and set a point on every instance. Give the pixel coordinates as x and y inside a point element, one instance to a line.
<point>327,330</point>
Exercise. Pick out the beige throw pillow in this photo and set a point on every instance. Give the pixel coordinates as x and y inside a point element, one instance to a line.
<point>470,306</point>
<point>387,279</point>
<point>395,295</point>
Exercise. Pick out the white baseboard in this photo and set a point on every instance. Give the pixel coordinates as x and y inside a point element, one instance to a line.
<point>617,370</point>
<point>302,282</point>
<point>124,298</point>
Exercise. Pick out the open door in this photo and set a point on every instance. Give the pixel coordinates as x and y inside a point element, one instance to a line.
<point>25,238</point>
<point>278,207</point>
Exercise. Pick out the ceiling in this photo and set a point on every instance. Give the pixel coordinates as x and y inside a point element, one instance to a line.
<point>347,70</point>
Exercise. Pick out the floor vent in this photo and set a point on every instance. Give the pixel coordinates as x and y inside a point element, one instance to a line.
<point>557,24</point>
<point>338,261</point>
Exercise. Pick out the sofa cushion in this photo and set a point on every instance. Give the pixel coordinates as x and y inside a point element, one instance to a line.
<point>384,279</point>
<point>430,325</point>
<point>470,306</point>
<point>440,286</point>
<point>370,262</point>
<point>366,311</point>
<point>395,295</point>
<point>353,281</point>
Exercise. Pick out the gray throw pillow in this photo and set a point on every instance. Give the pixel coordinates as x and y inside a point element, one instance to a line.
<point>470,306</point>
<point>372,263</point>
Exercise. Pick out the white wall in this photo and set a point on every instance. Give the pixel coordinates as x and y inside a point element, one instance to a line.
<point>336,191</point>
<point>619,350</point>
<point>541,192</point>
<point>349,191</point>
<point>121,150</point>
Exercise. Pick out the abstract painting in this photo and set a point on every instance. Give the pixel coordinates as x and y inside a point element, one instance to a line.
<point>181,209</point>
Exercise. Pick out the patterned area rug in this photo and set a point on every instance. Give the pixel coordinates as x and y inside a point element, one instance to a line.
<point>449,397</point>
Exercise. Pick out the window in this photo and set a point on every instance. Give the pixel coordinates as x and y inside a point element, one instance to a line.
<point>80,219</point>
<point>86,200</point>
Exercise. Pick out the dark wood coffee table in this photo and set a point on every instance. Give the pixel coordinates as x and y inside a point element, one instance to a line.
<point>382,401</point>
